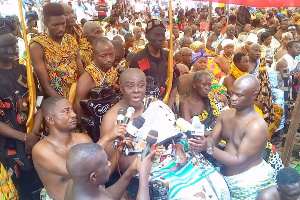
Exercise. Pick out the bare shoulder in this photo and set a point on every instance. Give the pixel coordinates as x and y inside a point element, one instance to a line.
<point>85,80</point>
<point>258,127</point>
<point>113,111</point>
<point>42,148</point>
<point>269,193</point>
<point>81,138</point>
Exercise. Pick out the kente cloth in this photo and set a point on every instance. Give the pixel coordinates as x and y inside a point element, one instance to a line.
<point>44,195</point>
<point>248,184</point>
<point>198,179</point>
<point>272,157</point>
<point>60,62</point>
<point>214,70</point>
<point>7,188</point>
<point>85,51</point>
<point>100,77</point>
<point>210,113</point>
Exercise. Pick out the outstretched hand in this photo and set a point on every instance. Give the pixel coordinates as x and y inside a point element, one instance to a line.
<point>198,144</point>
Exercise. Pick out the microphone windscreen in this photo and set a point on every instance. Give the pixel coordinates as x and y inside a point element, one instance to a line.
<point>121,112</point>
<point>183,125</point>
<point>130,111</point>
<point>152,137</point>
<point>138,122</point>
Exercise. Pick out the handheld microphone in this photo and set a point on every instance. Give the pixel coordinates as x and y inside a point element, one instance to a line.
<point>137,123</point>
<point>151,139</point>
<point>120,118</point>
<point>129,113</point>
<point>191,130</point>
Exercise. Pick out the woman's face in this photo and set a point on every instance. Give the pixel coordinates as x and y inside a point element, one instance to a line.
<point>200,64</point>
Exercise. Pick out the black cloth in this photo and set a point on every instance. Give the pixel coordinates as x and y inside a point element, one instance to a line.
<point>154,67</point>
<point>14,108</point>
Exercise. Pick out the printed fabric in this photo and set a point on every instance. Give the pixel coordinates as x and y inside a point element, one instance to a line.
<point>85,51</point>
<point>100,77</point>
<point>60,61</point>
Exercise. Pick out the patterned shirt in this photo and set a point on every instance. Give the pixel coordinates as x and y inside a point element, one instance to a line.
<point>100,77</point>
<point>85,51</point>
<point>60,61</point>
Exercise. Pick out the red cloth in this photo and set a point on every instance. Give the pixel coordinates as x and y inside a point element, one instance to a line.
<point>104,4</point>
<point>261,4</point>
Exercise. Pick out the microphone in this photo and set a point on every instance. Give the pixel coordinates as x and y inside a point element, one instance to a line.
<point>120,118</point>
<point>191,130</point>
<point>129,113</point>
<point>151,139</point>
<point>137,123</point>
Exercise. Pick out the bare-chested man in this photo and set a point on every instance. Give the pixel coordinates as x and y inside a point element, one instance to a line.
<point>214,39</point>
<point>246,135</point>
<point>224,61</point>
<point>283,28</point>
<point>88,179</point>
<point>241,62</point>
<point>133,87</point>
<point>230,31</point>
<point>50,154</point>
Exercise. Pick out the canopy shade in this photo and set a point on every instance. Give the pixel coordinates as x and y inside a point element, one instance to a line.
<point>260,3</point>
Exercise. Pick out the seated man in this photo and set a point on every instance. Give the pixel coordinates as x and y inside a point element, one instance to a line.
<point>246,135</point>
<point>186,56</point>
<point>240,67</point>
<point>98,73</point>
<point>88,179</point>
<point>156,114</point>
<point>288,186</point>
<point>50,154</point>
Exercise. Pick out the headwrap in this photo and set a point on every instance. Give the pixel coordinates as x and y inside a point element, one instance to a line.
<point>195,45</point>
<point>196,56</point>
<point>226,42</point>
<point>286,34</point>
<point>252,38</point>
<point>153,24</point>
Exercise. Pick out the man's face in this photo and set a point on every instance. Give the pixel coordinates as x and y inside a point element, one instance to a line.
<point>228,49</point>
<point>134,89</point>
<point>137,33</point>
<point>64,117</point>
<point>186,57</point>
<point>203,86</point>
<point>176,33</point>
<point>156,37</point>
<point>293,30</point>
<point>56,26</point>
<point>7,47</point>
<point>295,49</point>
<point>186,42</point>
<point>284,25</point>
<point>126,26</point>
<point>244,64</point>
<point>289,192</point>
<point>268,40</point>
<point>69,16</point>
<point>129,42</point>
<point>104,56</point>
<point>200,64</point>
<point>96,32</point>
<point>230,31</point>
<point>255,52</point>
<point>218,28</point>
<point>240,96</point>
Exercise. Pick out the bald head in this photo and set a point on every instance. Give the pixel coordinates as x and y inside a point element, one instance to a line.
<point>248,82</point>
<point>91,154</point>
<point>92,30</point>
<point>255,51</point>
<point>183,69</point>
<point>255,46</point>
<point>130,73</point>
<point>185,50</point>
<point>186,42</point>
<point>100,42</point>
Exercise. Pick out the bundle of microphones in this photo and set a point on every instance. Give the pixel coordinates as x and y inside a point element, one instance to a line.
<point>196,129</point>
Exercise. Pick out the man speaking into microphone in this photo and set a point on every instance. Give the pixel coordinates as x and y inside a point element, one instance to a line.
<point>133,87</point>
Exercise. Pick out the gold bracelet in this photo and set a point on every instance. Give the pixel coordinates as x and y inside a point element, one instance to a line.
<point>25,135</point>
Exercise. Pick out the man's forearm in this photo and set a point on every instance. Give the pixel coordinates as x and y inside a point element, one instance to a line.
<point>143,193</point>
<point>38,120</point>
<point>49,91</point>
<point>7,131</point>
<point>226,158</point>
<point>118,189</point>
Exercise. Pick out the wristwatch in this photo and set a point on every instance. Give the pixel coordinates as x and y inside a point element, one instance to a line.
<point>210,150</point>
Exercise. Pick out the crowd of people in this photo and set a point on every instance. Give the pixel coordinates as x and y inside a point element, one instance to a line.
<point>215,129</point>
